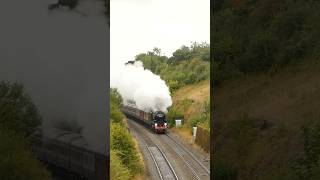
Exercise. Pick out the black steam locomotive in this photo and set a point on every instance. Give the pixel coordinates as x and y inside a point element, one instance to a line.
<point>68,151</point>
<point>154,120</point>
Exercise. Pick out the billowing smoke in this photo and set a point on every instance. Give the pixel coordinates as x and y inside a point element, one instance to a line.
<point>61,56</point>
<point>136,84</point>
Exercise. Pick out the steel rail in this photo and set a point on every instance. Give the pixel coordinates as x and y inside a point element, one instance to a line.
<point>190,153</point>
<point>167,161</point>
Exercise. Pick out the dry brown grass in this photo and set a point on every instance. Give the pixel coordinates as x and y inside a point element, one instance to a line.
<point>286,100</point>
<point>197,94</point>
<point>288,97</point>
<point>141,175</point>
<point>185,134</point>
<point>189,100</point>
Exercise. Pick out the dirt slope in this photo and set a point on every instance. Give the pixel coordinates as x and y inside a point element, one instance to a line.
<point>257,128</point>
<point>189,99</point>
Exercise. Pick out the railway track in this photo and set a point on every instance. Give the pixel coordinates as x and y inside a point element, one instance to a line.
<point>164,168</point>
<point>187,164</point>
<point>199,171</point>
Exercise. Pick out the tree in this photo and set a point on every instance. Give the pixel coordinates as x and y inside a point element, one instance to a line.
<point>17,111</point>
<point>157,51</point>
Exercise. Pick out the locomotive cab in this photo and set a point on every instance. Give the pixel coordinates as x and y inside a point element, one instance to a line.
<point>159,122</point>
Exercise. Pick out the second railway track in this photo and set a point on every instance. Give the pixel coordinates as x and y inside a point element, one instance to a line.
<point>199,171</point>
<point>165,170</point>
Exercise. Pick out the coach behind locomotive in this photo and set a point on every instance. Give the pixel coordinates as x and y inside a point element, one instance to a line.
<point>69,151</point>
<point>155,120</point>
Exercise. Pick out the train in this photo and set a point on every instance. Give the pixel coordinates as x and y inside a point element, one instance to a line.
<point>156,121</point>
<point>69,151</point>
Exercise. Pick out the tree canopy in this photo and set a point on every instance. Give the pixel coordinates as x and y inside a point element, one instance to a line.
<point>187,65</point>
<point>17,111</point>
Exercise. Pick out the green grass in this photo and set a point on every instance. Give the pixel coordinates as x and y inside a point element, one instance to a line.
<point>17,160</point>
<point>125,160</point>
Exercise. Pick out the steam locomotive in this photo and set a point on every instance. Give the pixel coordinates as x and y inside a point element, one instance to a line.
<point>154,120</point>
<point>68,151</point>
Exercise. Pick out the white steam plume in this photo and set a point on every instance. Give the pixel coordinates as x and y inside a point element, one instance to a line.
<point>61,57</point>
<point>140,85</point>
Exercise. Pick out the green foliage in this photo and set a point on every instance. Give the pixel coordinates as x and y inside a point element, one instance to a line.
<point>255,36</point>
<point>118,171</point>
<point>185,72</point>
<point>124,155</point>
<point>307,166</point>
<point>223,171</point>
<point>203,118</point>
<point>116,115</point>
<point>115,97</point>
<point>196,51</point>
<point>17,111</point>
<point>188,65</point>
<point>172,115</point>
<point>17,161</point>
<point>123,144</point>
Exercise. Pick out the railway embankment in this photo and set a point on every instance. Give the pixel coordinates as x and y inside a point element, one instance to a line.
<point>266,121</point>
<point>191,103</point>
<point>125,158</point>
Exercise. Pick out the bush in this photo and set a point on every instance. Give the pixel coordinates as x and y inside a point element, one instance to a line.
<point>118,171</point>
<point>223,171</point>
<point>188,65</point>
<point>255,36</point>
<point>307,166</point>
<point>116,115</point>
<point>172,115</point>
<point>122,142</point>
<point>203,118</point>
<point>16,159</point>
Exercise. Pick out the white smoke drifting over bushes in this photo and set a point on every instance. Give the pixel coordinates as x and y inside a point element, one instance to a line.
<point>140,85</point>
<point>61,56</point>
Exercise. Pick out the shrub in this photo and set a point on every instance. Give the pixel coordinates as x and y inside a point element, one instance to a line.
<point>16,159</point>
<point>188,65</point>
<point>203,118</point>
<point>118,171</point>
<point>116,115</point>
<point>172,115</point>
<point>223,171</point>
<point>122,142</point>
<point>254,36</point>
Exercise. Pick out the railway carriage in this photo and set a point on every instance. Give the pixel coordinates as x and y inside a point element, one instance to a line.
<point>154,120</point>
<point>69,151</point>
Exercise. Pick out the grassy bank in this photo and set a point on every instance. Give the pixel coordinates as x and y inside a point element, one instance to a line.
<point>267,125</point>
<point>191,103</point>
<point>125,159</point>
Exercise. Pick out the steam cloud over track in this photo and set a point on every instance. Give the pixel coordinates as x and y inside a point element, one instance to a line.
<point>61,57</point>
<point>147,90</point>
